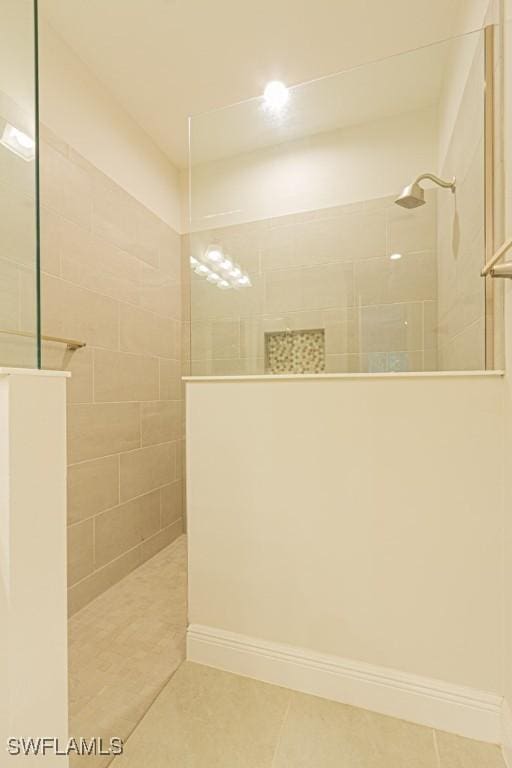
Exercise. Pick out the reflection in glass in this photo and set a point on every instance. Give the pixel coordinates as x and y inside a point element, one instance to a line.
<point>302,200</point>
<point>18,214</point>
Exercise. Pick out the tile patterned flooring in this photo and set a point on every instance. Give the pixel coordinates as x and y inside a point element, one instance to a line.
<point>125,646</point>
<point>205,718</point>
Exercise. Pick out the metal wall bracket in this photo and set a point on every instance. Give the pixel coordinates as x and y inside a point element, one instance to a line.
<point>499,270</point>
<point>502,270</point>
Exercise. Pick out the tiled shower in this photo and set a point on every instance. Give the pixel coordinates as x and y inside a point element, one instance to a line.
<point>303,205</point>
<point>330,270</point>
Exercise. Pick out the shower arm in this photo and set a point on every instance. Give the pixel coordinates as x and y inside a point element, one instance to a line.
<point>437,180</point>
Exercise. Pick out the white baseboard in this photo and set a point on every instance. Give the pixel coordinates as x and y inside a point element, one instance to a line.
<point>453,708</point>
<point>506,730</point>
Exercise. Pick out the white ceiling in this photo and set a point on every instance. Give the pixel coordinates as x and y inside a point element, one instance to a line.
<point>164,60</point>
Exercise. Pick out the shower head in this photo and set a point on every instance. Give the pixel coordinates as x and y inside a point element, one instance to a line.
<point>413,195</point>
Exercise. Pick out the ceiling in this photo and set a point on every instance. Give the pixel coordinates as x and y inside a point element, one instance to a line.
<point>164,60</point>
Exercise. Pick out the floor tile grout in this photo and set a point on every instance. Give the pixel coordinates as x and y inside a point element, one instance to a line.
<point>281,731</point>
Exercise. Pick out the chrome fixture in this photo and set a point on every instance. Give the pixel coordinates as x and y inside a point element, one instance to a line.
<point>494,269</point>
<point>71,344</point>
<point>413,195</point>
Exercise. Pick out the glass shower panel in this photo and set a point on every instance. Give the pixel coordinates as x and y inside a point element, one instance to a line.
<point>301,259</point>
<point>19,345</point>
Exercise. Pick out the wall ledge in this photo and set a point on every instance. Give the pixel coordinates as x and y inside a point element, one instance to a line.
<point>34,372</point>
<point>434,703</point>
<point>344,376</point>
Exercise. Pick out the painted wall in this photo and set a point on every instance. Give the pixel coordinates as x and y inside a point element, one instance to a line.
<point>323,170</point>
<point>85,115</point>
<point>351,517</point>
<point>111,277</point>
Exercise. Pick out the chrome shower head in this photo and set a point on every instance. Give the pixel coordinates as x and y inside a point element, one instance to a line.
<point>413,195</point>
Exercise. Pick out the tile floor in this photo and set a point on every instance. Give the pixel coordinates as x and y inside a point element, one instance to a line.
<point>124,646</point>
<point>127,676</point>
<point>205,718</point>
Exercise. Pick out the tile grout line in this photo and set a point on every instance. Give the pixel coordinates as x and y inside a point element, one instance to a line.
<point>436,748</point>
<point>281,731</point>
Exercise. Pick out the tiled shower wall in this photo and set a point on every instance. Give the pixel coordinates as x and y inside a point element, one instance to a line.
<point>328,269</point>
<point>111,277</point>
<point>461,244</point>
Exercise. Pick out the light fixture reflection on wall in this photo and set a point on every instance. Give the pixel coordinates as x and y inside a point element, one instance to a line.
<point>214,254</point>
<point>18,142</point>
<point>276,94</point>
<point>220,269</point>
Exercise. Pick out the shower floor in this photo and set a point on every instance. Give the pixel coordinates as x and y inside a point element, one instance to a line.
<point>124,646</point>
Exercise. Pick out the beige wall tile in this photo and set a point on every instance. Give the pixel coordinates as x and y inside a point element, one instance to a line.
<point>143,332</point>
<point>383,281</point>
<point>98,265</point>
<point>170,253</point>
<point>388,327</point>
<point>27,299</point>
<point>160,421</point>
<point>226,338</point>
<point>329,286</point>
<point>92,586</point>
<point>343,363</point>
<point>96,430</point>
<point>18,352</point>
<point>161,539</point>
<point>119,376</point>
<point>413,230</point>
<point>172,501</point>
<point>93,486</point>
<point>430,325</point>
<point>76,313</point>
<point>283,291</point>
<point>146,469</point>
<point>50,229</point>
<point>170,379</point>
<point>9,294</point>
<point>65,186</point>
<point>47,136</point>
<point>208,301</point>
<point>122,528</point>
<point>113,271</point>
<point>168,339</point>
<point>159,292</point>
<point>114,214</point>
<point>79,362</point>
<point>148,231</point>
<point>80,551</point>
<point>17,225</point>
<point>341,330</point>
<point>280,248</point>
<point>309,288</point>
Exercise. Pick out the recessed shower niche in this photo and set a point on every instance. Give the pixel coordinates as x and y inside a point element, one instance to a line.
<point>295,352</point>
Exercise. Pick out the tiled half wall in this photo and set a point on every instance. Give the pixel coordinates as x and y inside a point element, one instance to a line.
<point>111,277</point>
